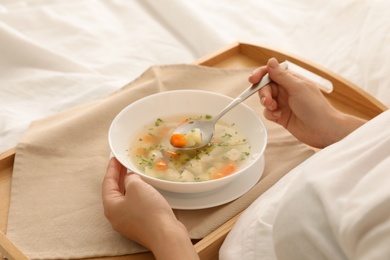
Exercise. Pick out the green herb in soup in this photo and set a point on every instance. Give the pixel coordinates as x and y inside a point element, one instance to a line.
<point>153,153</point>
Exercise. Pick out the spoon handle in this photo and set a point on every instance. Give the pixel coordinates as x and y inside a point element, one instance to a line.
<point>248,92</point>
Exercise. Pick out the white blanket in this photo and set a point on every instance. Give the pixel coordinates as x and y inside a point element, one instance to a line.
<point>58,54</point>
<point>335,205</point>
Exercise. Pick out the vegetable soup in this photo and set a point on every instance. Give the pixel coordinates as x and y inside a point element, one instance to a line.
<point>154,155</point>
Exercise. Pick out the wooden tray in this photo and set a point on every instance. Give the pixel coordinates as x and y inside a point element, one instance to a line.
<point>345,96</point>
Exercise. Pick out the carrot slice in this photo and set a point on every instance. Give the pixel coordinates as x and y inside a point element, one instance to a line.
<point>178,140</point>
<point>161,165</point>
<point>228,169</point>
<point>217,176</point>
<point>149,138</point>
<point>141,151</point>
<point>172,153</point>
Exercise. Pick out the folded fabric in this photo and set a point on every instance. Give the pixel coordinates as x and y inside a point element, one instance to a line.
<point>56,210</point>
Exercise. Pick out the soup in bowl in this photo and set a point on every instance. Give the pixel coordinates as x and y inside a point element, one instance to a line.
<point>140,135</point>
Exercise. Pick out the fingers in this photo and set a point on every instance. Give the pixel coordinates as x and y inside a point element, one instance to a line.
<point>268,96</point>
<point>137,188</point>
<point>282,76</point>
<point>267,93</point>
<point>115,174</point>
<point>273,115</point>
<point>282,79</point>
<point>273,96</point>
<point>117,180</point>
<point>257,74</point>
<point>133,181</point>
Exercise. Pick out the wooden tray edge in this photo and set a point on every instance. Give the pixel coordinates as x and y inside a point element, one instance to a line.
<point>7,158</point>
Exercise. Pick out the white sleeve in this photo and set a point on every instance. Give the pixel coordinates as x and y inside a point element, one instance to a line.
<point>365,225</point>
<point>335,205</point>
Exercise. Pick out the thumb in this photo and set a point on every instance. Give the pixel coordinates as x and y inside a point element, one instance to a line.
<point>282,76</point>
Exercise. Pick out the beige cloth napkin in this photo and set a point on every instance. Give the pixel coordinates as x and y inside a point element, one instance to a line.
<point>56,209</point>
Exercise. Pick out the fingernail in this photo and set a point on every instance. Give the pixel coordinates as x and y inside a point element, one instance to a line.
<point>262,100</point>
<point>273,63</point>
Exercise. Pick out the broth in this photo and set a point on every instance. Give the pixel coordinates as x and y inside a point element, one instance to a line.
<point>154,155</point>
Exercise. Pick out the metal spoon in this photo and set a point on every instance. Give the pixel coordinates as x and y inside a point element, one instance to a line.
<point>207,126</point>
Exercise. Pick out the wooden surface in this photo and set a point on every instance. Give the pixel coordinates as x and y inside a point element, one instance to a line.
<point>9,249</point>
<point>346,96</point>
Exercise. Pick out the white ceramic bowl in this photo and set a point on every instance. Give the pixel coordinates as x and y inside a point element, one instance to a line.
<point>178,103</point>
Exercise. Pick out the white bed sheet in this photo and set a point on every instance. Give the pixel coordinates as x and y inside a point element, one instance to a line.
<point>58,54</point>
